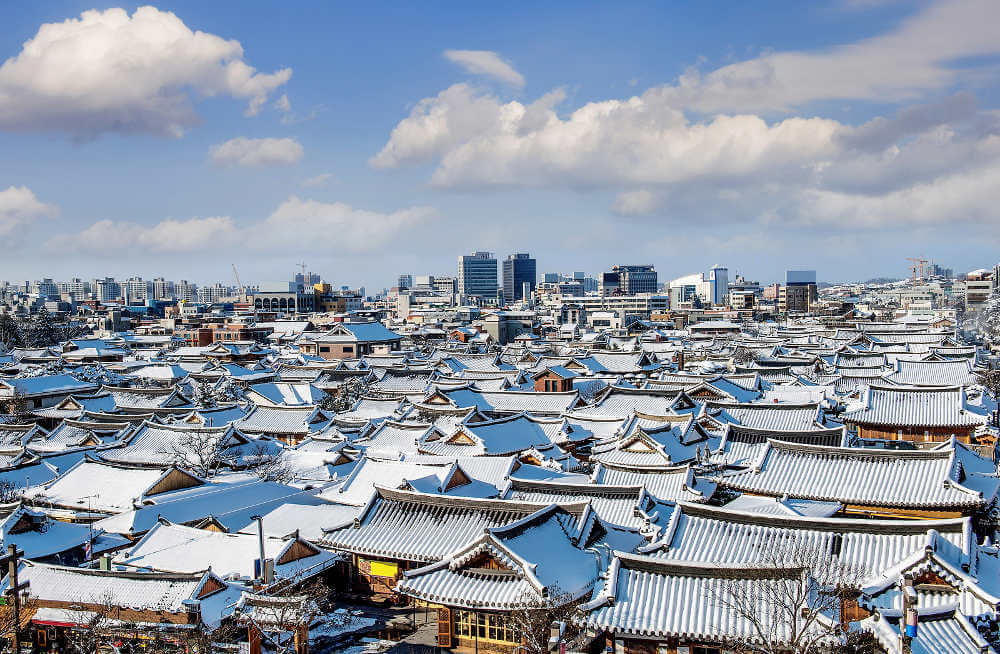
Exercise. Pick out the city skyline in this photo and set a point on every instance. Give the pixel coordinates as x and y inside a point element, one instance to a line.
<point>367,141</point>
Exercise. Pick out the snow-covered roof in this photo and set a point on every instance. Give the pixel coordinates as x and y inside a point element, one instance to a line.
<point>174,548</point>
<point>915,407</point>
<point>410,526</point>
<point>918,479</point>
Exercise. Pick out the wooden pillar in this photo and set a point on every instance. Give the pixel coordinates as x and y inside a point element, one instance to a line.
<point>254,636</point>
<point>302,639</point>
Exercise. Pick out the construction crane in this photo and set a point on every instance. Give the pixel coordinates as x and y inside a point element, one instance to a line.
<point>918,264</point>
<point>303,267</point>
<point>239,285</point>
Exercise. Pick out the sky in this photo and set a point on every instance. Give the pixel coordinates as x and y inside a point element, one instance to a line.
<point>372,139</point>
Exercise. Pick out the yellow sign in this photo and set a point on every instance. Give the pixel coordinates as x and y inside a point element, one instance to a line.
<point>381,569</point>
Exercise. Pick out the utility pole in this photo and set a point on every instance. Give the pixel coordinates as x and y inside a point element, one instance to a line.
<point>14,590</point>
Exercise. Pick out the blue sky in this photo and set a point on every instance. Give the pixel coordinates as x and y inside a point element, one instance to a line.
<point>373,139</point>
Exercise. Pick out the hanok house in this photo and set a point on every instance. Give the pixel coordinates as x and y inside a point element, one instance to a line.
<point>43,391</point>
<point>649,606</point>
<point>919,415</point>
<point>868,482</point>
<point>481,589</point>
<point>65,603</point>
<point>403,530</point>
<point>92,489</point>
<point>554,379</point>
<point>351,341</point>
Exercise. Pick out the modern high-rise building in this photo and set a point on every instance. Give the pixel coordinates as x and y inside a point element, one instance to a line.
<point>307,280</point>
<point>632,280</point>
<point>405,281</point>
<point>163,289</point>
<point>445,284</point>
<point>551,278</point>
<point>477,275</point>
<point>134,290</point>
<point>799,292</point>
<point>106,289</point>
<point>186,291</point>
<point>518,269</point>
<point>719,278</point>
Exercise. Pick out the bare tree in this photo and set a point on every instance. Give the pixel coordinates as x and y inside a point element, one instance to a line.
<point>29,604</point>
<point>204,395</point>
<point>535,618</point>
<point>18,408</point>
<point>270,465</point>
<point>744,356</point>
<point>343,399</point>
<point>797,607</point>
<point>286,608</point>
<point>201,451</point>
<point>991,382</point>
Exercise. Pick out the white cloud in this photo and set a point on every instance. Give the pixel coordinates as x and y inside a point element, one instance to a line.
<point>901,64</point>
<point>300,224</point>
<point>107,71</point>
<point>964,198</point>
<point>283,104</point>
<point>639,202</point>
<point>243,151</point>
<point>18,208</point>
<point>308,224</point>
<point>480,141</point>
<point>319,180</point>
<point>485,62</point>
<point>168,236</point>
<point>776,168</point>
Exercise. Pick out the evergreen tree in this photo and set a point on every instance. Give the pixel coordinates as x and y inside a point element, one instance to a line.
<point>989,319</point>
<point>43,329</point>
<point>10,331</point>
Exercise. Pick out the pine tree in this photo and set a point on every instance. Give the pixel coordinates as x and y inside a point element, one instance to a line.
<point>43,329</point>
<point>989,319</point>
<point>10,331</point>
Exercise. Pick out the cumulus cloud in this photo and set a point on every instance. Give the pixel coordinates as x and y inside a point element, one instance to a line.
<point>18,208</point>
<point>481,141</point>
<point>319,180</point>
<point>727,145</point>
<point>166,237</point>
<point>305,222</point>
<point>918,56</point>
<point>107,71</point>
<point>485,62</point>
<point>247,152</point>
<point>639,202</point>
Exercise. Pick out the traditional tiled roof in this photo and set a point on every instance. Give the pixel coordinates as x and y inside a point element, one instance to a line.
<point>409,526</point>
<point>541,559</point>
<point>933,373</point>
<point>645,597</point>
<point>155,444</point>
<point>915,407</point>
<point>101,487</point>
<point>921,479</point>
<point>282,420</point>
<point>716,535</point>
<point>48,385</point>
<point>174,548</point>
<point>773,416</point>
<point>677,484</point>
<point>131,590</point>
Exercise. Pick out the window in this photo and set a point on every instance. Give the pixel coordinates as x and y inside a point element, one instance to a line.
<point>324,348</point>
<point>484,626</point>
<point>348,349</point>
